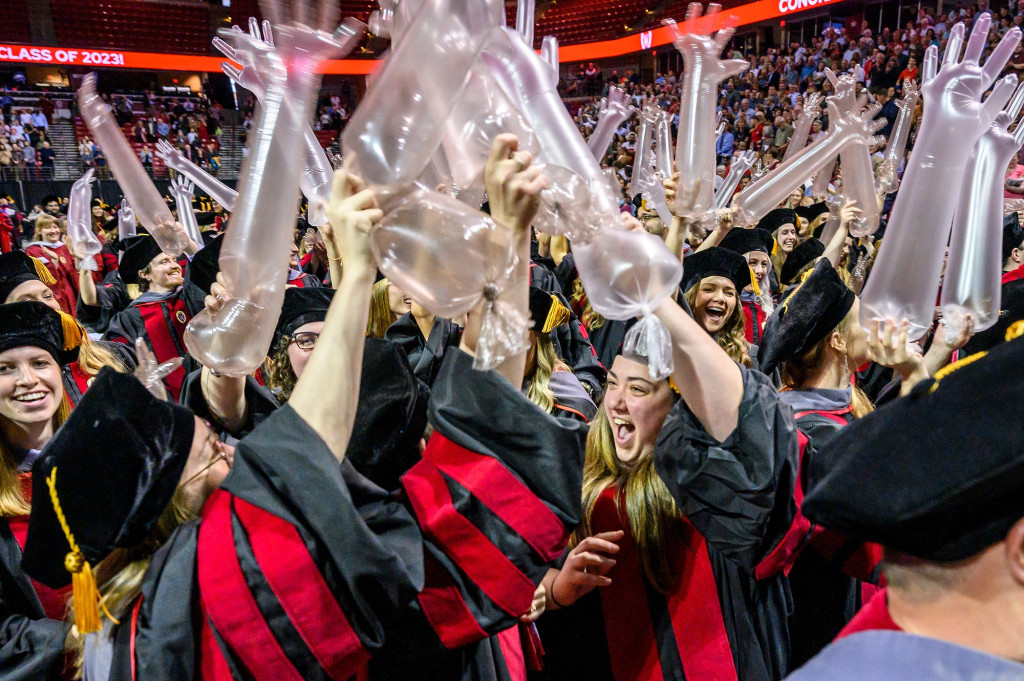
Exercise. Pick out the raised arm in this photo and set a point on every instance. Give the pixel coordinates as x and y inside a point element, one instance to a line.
<point>327,393</point>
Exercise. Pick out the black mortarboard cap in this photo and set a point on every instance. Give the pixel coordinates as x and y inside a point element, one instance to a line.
<point>119,459</point>
<point>1013,235</point>
<point>957,486</point>
<point>776,218</point>
<point>812,212</point>
<point>390,417</point>
<point>803,255</point>
<point>806,316</point>
<point>16,267</point>
<point>744,241</point>
<point>547,310</point>
<point>716,262</point>
<point>139,251</point>
<point>205,265</point>
<point>302,306</point>
<point>37,324</point>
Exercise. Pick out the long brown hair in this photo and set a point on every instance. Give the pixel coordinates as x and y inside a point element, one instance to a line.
<point>650,508</point>
<point>281,377</point>
<point>802,368</point>
<point>733,336</point>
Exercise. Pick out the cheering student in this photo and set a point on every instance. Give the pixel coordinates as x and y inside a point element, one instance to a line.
<point>387,305</point>
<point>947,513</point>
<point>683,495</point>
<point>22,280</point>
<point>816,339</point>
<point>161,310</point>
<point>781,223</point>
<point>712,281</point>
<point>48,247</point>
<point>756,246</point>
<point>33,405</point>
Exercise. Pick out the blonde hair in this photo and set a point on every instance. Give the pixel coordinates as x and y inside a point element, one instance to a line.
<point>121,573</point>
<point>546,362</point>
<point>42,222</point>
<point>733,336</point>
<point>12,499</point>
<point>381,314</point>
<point>799,370</point>
<point>650,509</point>
<point>92,357</point>
<point>280,375</point>
<point>588,317</point>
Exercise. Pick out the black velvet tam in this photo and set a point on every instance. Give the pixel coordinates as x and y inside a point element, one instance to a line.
<point>744,241</point>
<point>547,310</point>
<point>119,458</point>
<point>809,314</point>
<point>803,255</point>
<point>391,415</point>
<point>37,324</point>
<point>812,212</point>
<point>716,262</point>
<point>139,251</point>
<point>938,474</point>
<point>15,269</point>
<point>776,218</point>
<point>302,306</point>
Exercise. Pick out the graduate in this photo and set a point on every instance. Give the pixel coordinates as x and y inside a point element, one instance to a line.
<point>757,246</point>
<point>161,311</point>
<point>684,493</point>
<point>712,280</point>
<point>23,278</point>
<point>33,405</point>
<point>47,247</point>
<point>1013,249</point>
<point>947,512</point>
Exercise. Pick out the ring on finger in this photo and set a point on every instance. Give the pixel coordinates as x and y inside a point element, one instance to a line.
<point>521,166</point>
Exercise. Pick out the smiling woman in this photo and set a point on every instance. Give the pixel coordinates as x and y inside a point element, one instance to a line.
<point>32,406</point>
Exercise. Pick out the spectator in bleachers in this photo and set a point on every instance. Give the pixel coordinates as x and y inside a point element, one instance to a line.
<point>46,160</point>
<point>25,117</point>
<point>146,156</point>
<point>39,120</point>
<point>85,152</point>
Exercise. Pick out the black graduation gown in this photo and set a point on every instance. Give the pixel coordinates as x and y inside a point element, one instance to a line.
<point>424,356</point>
<point>719,622</point>
<point>259,400</point>
<point>160,320</point>
<point>112,298</point>
<point>302,569</point>
<point>31,646</point>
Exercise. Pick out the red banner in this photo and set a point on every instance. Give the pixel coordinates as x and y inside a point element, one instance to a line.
<point>743,15</point>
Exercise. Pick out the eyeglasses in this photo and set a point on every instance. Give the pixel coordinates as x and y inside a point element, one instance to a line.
<point>219,455</point>
<point>305,340</point>
<point>647,218</point>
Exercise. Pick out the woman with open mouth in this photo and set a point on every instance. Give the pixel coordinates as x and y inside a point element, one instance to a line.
<point>33,406</point>
<point>388,304</point>
<point>681,488</point>
<point>712,281</point>
<point>782,223</point>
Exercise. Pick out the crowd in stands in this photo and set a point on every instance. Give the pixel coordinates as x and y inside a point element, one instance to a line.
<point>26,151</point>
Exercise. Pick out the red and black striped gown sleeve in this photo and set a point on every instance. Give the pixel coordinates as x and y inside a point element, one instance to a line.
<point>496,495</point>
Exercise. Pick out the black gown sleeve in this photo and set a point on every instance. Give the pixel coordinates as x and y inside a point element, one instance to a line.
<point>31,646</point>
<point>737,493</point>
<point>259,402</point>
<point>496,495</point>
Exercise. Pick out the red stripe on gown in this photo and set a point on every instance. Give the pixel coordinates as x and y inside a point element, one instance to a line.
<point>302,591</point>
<point>501,492</point>
<point>228,601</point>
<point>694,606</point>
<point>874,616</point>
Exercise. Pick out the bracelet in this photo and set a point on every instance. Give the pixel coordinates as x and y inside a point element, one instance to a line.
<point>552,592</point>
<point>333,259</point>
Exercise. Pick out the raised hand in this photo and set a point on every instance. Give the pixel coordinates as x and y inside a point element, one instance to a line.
<point>125,220</point>
<point>183,190</point>
<point>176,161</point>
<point>151,373</point>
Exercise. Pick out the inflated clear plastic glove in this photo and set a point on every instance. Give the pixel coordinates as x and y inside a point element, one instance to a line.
<point>886,179</point>
<point>183,191</point>
<point>176,161</point>
<point>615,110</point>
<point>739,167</point>
<point>149,206</point>
<point>84,242</point>
<point>125,220</point>
<point>802,128</point>
<point>257,247</point>
<point>905,278</point>
<point>705,70</point>
<point>644,144</point>
<point>972,285</point>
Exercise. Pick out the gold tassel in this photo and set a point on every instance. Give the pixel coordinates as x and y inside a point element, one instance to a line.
<point>1016,330</point>
<point>85,594</point>
<point>950,368</point>
<point>753,282</point>
<point>73,331</point>
<point>41,271</point>
<point>558,314</point>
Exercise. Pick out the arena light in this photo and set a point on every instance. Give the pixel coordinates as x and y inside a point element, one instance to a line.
<point>761,10</point>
